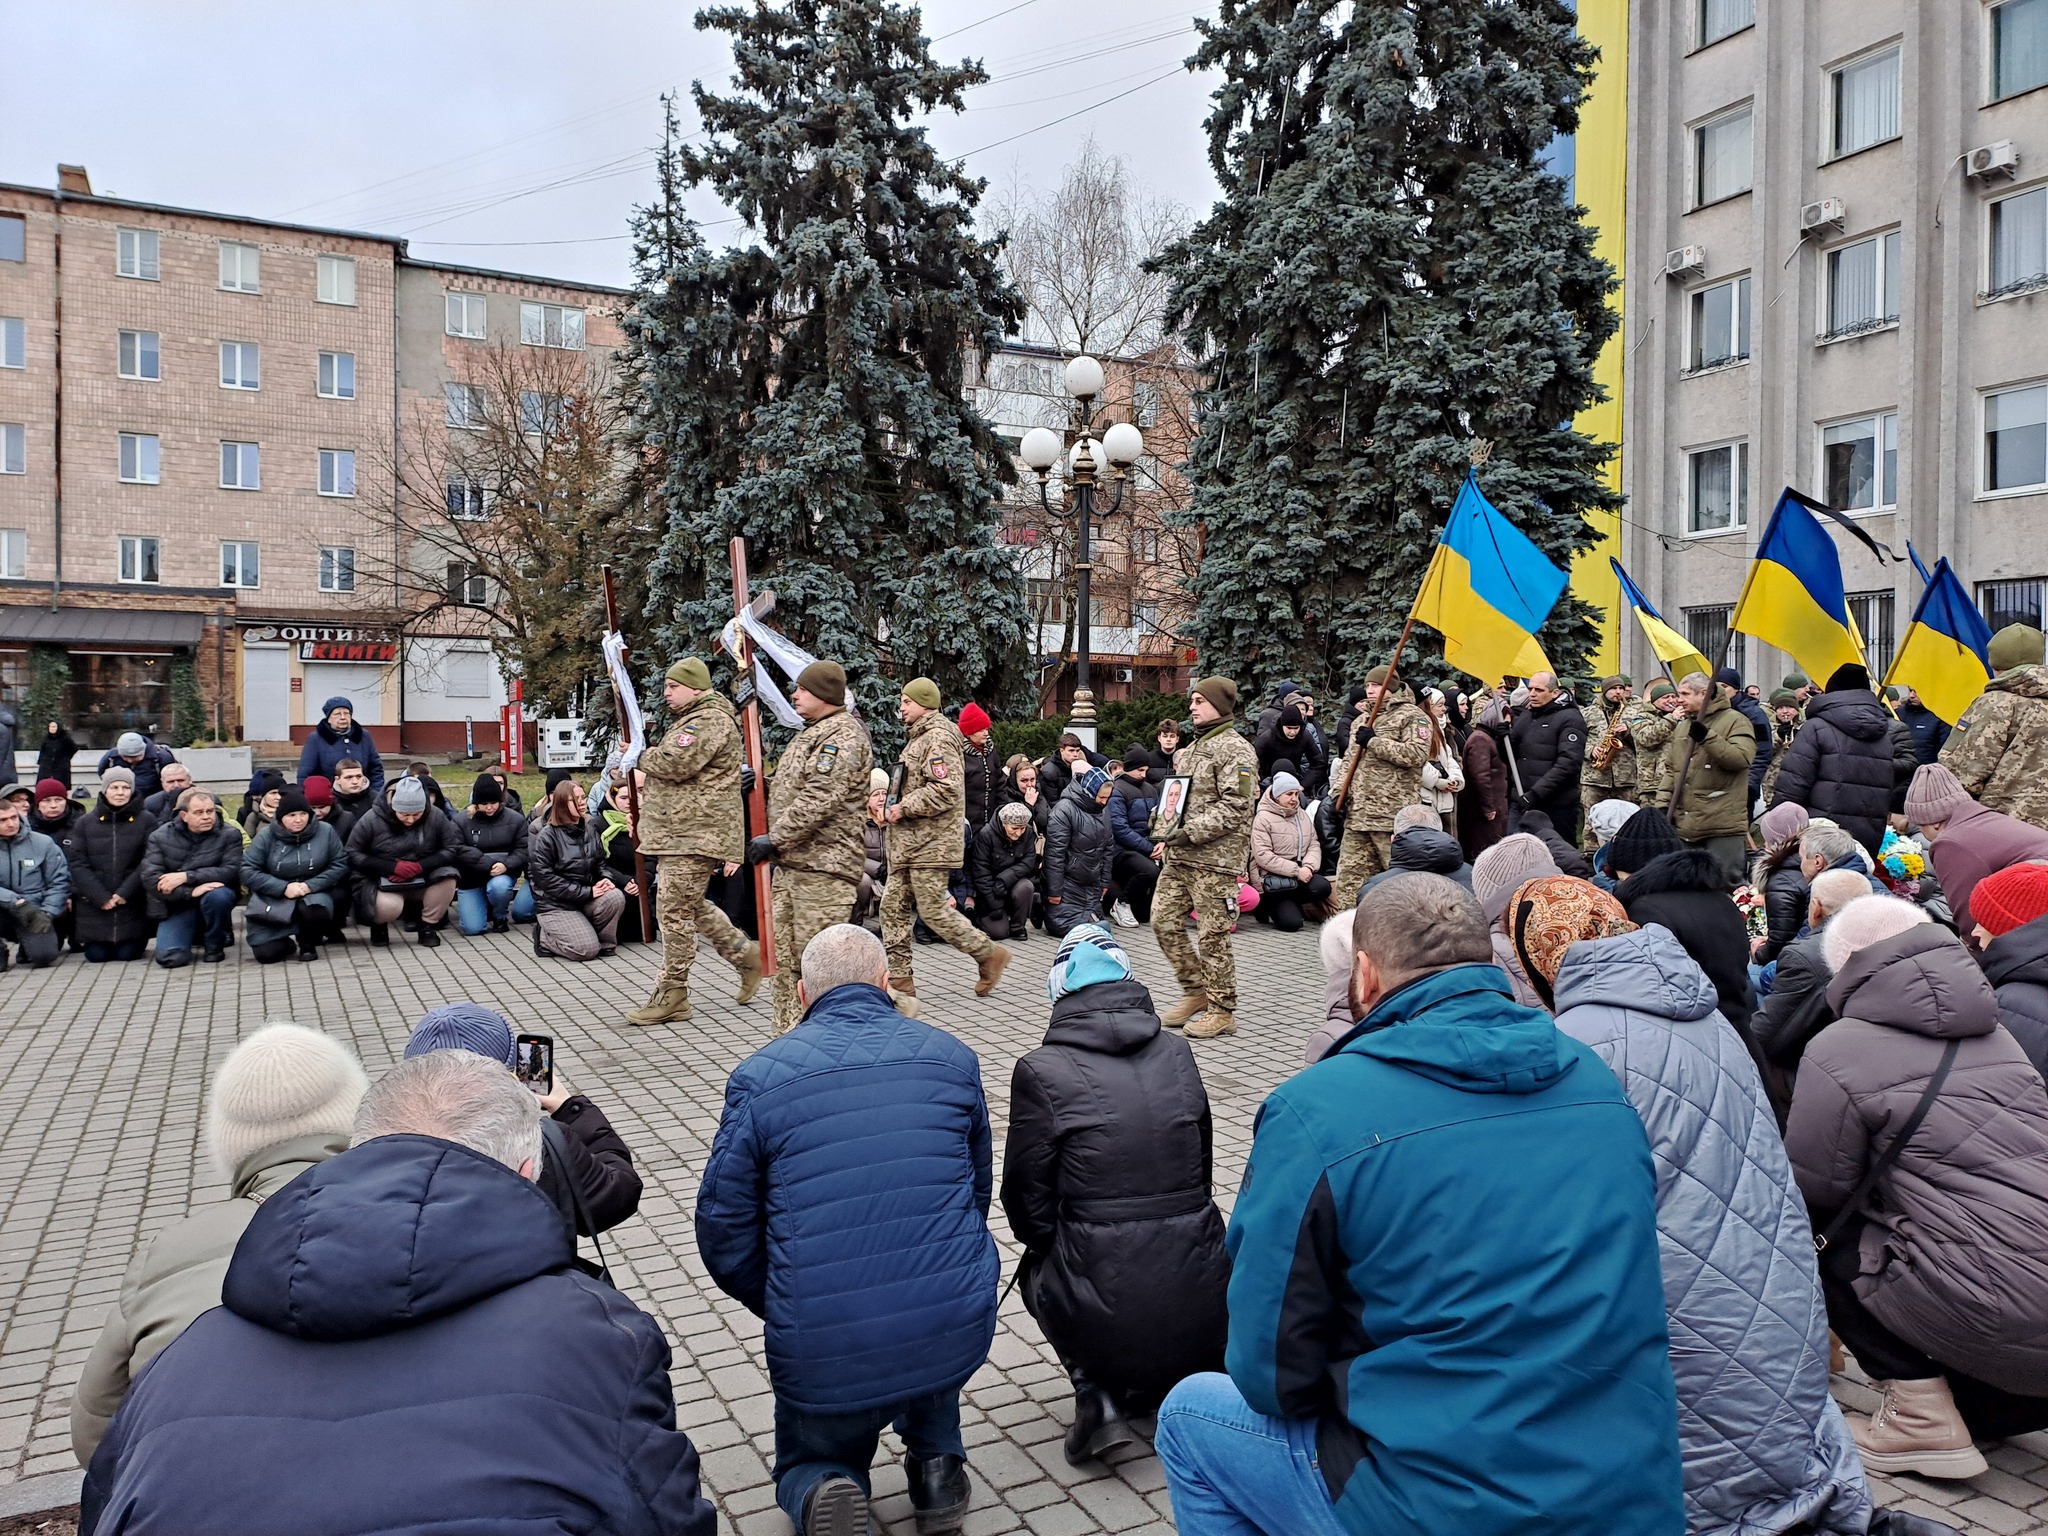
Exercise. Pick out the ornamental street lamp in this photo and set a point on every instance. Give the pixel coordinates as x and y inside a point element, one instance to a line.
<point>1090,458</point>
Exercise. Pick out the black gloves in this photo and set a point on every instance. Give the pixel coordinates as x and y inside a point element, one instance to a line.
<point>761,848</point>
<point>1522,802</point>
<point>1699,730</point>
<point>1362,734</point>
<point>746,779</point>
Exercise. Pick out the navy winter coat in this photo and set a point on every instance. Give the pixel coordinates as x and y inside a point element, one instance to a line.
<point>1130,814</point>
<point>846,1202</point>
<point>405,1345</point>
<point>1842,764</point>
<point>324,749</point>
<point>148,769</point>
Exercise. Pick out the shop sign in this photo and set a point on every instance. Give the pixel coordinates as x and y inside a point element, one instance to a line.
<point>329,642</point>
<point>348,650</point>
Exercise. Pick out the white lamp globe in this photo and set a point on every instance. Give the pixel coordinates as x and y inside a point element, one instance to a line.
<point>1084,377</point>
<point>1123,443</point>
<point>1098,458</point>
<point>1040,449</point>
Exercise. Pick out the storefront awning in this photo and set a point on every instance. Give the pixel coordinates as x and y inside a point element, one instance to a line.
<point>100,626</point>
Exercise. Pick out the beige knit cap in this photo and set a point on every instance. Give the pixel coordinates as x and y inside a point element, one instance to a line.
<point>282,1082</point>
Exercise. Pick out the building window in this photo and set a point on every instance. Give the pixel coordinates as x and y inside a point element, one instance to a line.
<point>1859,463</point>
<point>239,566</point>
<point>1871,612</point>
<point>467,499</point>
<point>465,406</point>
<point>1724,18</point>
<point>337,568</point>
<point>1145,403</point>
<point>466,675</point>
<point>241,466</point>
<point>337,471</point>
<point>13,343</point>
<point>241,269</point>
<point>2019,47</point>
<point>1146,617</point>
<point>1720,324</point>
<point>466,585</point>
<point>1721,160</point>
<point>240,365</point>
<point>141,355</point>
<point>13,237</point>
<point>337,280</point>
<point>2016,439</point>
<point>1866,97</point>
<point>13,553</point>
<point>466,315</point>
<point>539,411</point>
<point>140,458</point>
<point>1717,488</point>
<point>13,448</point>
<point>2019,239</point>
<point>338,375</point>
<point>135,254</point>
<point>551,325</point>
<point>1145,546</point>
<point>2012,602</point>
<point>1707,629</point>
<point>139,560</point>
<point>1863,286</point>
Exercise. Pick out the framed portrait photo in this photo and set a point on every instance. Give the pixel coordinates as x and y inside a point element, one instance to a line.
<point>1173,804</point>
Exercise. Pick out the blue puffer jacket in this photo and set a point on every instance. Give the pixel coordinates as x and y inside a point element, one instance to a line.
<point>405,1345</point>
<point>1469,1369</point>
<point>1765,1446</point>
<point>846,1202</point>
<point>1130,814</point>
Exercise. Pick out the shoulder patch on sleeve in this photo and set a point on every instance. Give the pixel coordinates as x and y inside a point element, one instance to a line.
<point>938,767</point>
<point>1247,783</point>
<point>685,738</point>
<point>827,758</point>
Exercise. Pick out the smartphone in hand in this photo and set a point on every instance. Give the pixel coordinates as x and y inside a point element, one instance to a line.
<point>533,1062</point>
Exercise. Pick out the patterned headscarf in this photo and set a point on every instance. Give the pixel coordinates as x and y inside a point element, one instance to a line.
<point>1547,916</point>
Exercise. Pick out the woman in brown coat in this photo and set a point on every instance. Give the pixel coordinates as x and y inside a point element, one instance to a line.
<point>1938,1280</point>
<point>1483,802</point>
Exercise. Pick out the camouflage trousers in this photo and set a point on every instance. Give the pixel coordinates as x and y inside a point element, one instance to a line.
<point>685,912</point>
<point>1204,963</point>
<point>805,905</point>
<point>926,888</point>
<point>1365,852</point>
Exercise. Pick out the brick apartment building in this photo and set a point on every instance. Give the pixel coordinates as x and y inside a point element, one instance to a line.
<point>203,423</point>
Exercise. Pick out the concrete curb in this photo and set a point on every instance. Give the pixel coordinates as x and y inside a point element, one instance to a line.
<point>40,1495</point>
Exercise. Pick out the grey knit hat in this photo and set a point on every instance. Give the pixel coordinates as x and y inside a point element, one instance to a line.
<point>1505,867</point>
<point>118,775</point>
<point>283,1082</point>
<point>409,797</point>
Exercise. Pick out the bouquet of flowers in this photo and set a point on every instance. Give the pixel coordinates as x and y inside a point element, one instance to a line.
<point>1749,901</point>
<point>1901,861</point>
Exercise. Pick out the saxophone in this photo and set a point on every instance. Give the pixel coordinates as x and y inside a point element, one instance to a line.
<point>1610,746</point>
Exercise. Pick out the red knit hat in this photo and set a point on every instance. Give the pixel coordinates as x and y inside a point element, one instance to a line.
<point>51,789</point>
<point>2016,895</point>
<point>973,718</point>
<point>319,790</point>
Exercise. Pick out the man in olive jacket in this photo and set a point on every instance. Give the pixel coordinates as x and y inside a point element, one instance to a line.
<point>1707,778</point>
<point>690,820</point>
<point>1204,861</point>
<point>927,816</point>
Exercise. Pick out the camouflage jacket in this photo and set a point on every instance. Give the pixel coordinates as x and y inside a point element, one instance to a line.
<point>1779,744</point>
<point>1621,771</point>
<point>1999,749</point>
<point>1216,828</point>
<point>818,798</point>
<point>692,801</point>
<point>933,831</point>
<point>1652,730</point>
<point>1389,776</point>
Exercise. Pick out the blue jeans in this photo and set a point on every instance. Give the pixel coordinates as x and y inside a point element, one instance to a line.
<point>216,910</point>
<point>810,1447</point>
<point>495,901</point>
<point>1233,1471</point>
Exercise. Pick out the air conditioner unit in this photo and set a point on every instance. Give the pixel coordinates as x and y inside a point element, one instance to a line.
<point>1126,675</point>
<point>1686,261</point>
<point>1826,214</point>
<point>1999,159</point>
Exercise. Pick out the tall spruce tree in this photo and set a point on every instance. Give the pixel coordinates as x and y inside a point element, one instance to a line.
<point>1389,275</point>
<point>807,389</point>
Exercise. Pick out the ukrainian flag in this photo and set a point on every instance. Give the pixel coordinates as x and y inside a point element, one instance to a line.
<point>1487,591</point>
<point>1945,656</point>
<point>1793,598</point>
<point>1677,653</point>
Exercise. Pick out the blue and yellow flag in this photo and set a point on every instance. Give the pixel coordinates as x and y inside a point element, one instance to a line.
<point>1945,656</point>
<point>1487,591</point>
<point>1677,653</point>
<point>1793,597</point>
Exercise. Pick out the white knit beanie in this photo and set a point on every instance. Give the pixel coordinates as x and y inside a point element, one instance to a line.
<point>282,1082</point>
<point>1866,921</point>
<point>1506,867</point>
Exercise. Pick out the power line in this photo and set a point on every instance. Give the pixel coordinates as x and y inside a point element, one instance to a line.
<point>1070,116</point>
<point>998,15</point>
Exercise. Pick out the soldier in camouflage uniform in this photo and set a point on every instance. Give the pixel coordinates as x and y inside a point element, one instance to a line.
<point>816,800</point>
<point>690,819</point>
<point>927,823</point>
<point>1611,744</point>
<point>1785,722</point>
<point>1652,721</point>
<point>1389,757</point>
<point>1999,749</point>
<point>1204,861</point>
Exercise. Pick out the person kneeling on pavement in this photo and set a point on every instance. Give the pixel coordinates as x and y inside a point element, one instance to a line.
<point>575,903</point>
<point>845,1202</point>
<point>1106,1177</point>
<point>406,856</point>
<point>282,1101</point>
<point>294,870</point>
<point>1079,849</point>
<point>406,1342</point>
<point>35,884</point>
<point>1003,864</point>
<point>488,896</point>
<point>1287,857</point>
<point>192,874</point>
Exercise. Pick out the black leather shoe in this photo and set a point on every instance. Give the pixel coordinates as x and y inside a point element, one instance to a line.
<point>380,934</point>
<point>836,1507</point>
<point>215,954</point>
<point>429,936</point>
<point>501,925</point>
<point>1098,1426</point>
<point>939,1493</point>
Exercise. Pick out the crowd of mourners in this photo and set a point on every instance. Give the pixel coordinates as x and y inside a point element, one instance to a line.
<point>1674,1051</point>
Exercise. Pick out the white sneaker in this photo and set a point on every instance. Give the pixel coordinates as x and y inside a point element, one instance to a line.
<point>1122,915</point>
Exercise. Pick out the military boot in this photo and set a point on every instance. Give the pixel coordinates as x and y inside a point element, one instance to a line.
<point>991,971</point>
<point>669,1005</point>
<point>905,984</point>
<point>1211,1022</point>
<point>750,973</point>
<point>1190,1004</point>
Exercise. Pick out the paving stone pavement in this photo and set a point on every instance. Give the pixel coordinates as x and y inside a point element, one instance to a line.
<point>101,1145</point>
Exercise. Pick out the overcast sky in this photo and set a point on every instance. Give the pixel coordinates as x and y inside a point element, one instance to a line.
<point>519,133</point>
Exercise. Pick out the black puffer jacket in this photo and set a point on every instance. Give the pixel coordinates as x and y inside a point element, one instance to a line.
<point>563,864</point>
<point>380,842</point>
<point>1687,892</point>
<point>1106,1184</point>
<point>1419,851</point>
<point>996,862</point>
<point>1786,898</point>
<point>499,839</point>
<point>105,849</point>
<point>1760,721</point>
<point>589,1151</point>
<point>1569,860</point>
<point>2016,965</point>
<point>1306,751</point>
<point>1079,847</point>
<point>205,856</point>
<point>983,779</point>
<point>1841,764</point>
<point>1550,751</point>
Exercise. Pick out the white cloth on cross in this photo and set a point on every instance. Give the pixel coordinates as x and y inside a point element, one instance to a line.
<point>623,689</point>
<point>783,651</point>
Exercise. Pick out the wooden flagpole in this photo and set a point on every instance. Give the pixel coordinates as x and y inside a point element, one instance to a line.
<point>1393,663</point>
<point>750,729</point>
<point>649,924</point>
